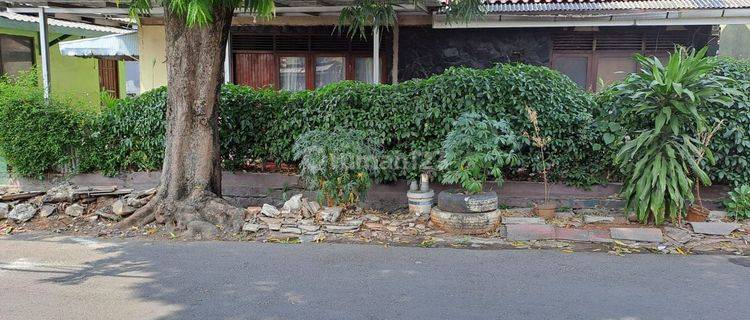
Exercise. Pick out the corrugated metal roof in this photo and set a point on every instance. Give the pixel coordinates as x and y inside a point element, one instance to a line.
<point>494,6</point>
<point>62,23</point>
<point>116,45</point>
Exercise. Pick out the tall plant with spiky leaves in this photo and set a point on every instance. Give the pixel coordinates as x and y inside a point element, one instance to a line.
<point>661,159</point>
<point>189,193</point>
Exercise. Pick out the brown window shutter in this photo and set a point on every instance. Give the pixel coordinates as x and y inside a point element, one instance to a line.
<point>109,79</point>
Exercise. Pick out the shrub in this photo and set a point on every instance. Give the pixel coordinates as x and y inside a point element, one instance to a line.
<point>338,164</point>
<point>246,117</point>
<point>731,146</point>
<point>39,136</point>
<point>477,146</point>
<point>661,158</point>
<point>504,92</point>
<point>738,203</point>
<point>409,120</point>
<point>129,134</point>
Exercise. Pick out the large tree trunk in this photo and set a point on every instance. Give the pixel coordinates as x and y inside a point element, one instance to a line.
<point>189,192</point>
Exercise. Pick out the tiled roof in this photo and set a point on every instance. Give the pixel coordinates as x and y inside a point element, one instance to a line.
<point>608,5</point>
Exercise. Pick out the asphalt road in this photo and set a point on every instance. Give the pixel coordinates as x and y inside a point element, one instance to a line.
<point>48,277</point>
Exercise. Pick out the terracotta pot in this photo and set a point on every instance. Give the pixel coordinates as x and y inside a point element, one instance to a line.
<point>697,213</point>
<point>546,211</point>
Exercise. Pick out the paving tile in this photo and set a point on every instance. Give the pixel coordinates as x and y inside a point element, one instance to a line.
<point>637,234</point>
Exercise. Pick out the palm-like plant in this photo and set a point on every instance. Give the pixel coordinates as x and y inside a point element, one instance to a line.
<point>661,159</point>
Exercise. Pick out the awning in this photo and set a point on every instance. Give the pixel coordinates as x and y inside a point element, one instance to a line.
<point>116,46</point>
<point>12,20</point>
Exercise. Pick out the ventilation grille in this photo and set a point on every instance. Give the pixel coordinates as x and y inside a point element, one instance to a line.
<point>252,42</point>
<point>630,42</point>
<point>667,41</point>
<point>573,41</point>
<point>589,41</point>
<point>255,42</point>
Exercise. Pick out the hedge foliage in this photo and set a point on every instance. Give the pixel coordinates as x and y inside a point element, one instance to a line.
<point>410,120</point>
<point>36,136</point>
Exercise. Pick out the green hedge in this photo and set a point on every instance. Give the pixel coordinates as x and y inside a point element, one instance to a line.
<point>409,119</point>
<point>412,118</point>
<point>731,146</point>
<point>37,136</point>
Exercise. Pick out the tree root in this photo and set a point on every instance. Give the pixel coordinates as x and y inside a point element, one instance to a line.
<point>202,214</point>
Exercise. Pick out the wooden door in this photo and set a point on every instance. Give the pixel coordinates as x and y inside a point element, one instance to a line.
<point>109,77</point>
<point>255,69</point>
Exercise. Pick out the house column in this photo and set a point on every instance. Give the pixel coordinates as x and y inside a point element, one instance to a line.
<point>44,48</point>
<point>376,54</point>
<point>228,60</point>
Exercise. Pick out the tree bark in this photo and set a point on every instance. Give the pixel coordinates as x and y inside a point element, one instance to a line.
<point>189,193</point>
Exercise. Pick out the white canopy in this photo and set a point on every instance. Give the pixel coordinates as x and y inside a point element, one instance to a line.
<point>110,46</point>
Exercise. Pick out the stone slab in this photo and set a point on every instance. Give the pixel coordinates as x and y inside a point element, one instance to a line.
<point>522,220</point>
<point>525,232</point>
<point>637,234</point>
<point>714,228</point>
<point>591,219</point>
<point>571,234</point>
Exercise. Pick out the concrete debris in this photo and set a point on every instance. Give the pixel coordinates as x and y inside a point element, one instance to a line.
<point>330,214</point>
<point>47,210</point>
<point>293,205</point>
<point>4,209</point>
<point>270,211</point>
<point>597,219</point>
<point>75,210</point>
<point>22,212</point>
<point>122,209</point>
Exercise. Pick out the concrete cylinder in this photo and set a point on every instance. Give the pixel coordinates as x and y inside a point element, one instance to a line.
<point>420,203</point>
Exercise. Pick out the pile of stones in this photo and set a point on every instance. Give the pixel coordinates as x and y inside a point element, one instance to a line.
<point>299,216</point>
<point>81,202</point>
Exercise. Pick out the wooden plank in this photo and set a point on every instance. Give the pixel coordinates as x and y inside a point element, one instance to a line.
<point>21,196</point>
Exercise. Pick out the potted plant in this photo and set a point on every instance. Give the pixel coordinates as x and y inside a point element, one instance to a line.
<point>477,147</point>
<point>697,212</point>
<point>547,209</point>
<point>337,165</point>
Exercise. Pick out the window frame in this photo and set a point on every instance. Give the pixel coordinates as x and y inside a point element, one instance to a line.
<point>314,55</point>
<point>310,54</point>
<point>592,76</point>
<point>589,55</point>
<point>277,65</point>
<point>32,50</point>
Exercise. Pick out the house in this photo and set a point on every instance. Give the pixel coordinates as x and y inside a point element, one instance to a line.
<point>591,41</point>
<point>70,76</point>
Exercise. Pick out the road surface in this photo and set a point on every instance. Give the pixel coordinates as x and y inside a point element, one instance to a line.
<point>60,277</point>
